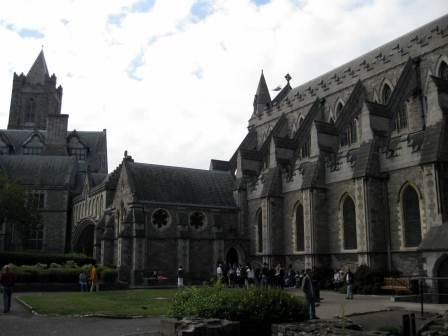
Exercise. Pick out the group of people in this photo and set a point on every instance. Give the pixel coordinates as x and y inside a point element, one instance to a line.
<point>90,278</point>
<point>237,275</point>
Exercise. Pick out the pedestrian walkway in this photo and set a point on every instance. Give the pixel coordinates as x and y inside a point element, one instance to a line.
<point>334,304</point>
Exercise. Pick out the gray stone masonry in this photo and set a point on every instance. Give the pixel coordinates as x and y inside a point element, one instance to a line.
<point>199,327</point>
<point>322,327</point>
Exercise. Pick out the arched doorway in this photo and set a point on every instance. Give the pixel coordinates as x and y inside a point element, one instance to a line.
<point>442,284</point>
<point>232,257</point>
<point>83,238</point>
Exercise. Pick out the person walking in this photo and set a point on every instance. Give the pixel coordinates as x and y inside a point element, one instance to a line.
<point>264,276</point>
<point>93,277</point>
<point>83,281</point>
<point>180,277</point>
<point>308,290</point>
<point>7,280</point>
<point>219,273</point>
<point>349,278</point>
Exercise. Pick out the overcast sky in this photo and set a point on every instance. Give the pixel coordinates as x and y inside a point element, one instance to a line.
<point>173,81</point>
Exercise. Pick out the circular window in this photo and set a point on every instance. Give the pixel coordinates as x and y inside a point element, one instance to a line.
<point>197,220</point>
<point>160,218</point>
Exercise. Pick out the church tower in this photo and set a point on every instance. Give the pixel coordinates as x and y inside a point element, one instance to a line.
<point>34,97</point>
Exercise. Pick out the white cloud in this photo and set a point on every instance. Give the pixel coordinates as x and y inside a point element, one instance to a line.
<point>175,88</point>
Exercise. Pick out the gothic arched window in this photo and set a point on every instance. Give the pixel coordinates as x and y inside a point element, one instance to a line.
<point>339,108</point>
<point>385,95</point>
<point>260,231</point>
<point>300,229</point>
<point>443,71</point>
<point>401,118</point>
<point>30,110</point>
<point>411,217</point>
<point>349,219</point>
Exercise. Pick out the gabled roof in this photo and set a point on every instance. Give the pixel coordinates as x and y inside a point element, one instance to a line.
<point>39,170</point>
<point>165,184</point>
<point>352,107</point>
<point>39,71</point>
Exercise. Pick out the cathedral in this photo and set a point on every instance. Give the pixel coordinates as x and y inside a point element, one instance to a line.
<point>347,169</point>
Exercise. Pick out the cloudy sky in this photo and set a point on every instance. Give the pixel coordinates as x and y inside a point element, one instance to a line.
<point>173,81</point>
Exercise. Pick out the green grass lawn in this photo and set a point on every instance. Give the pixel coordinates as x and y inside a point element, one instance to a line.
<point>138,302</point>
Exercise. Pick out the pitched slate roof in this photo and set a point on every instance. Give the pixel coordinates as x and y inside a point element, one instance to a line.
<point>39,170</point>
<point>387,56</point>
<point>156,183</point>
<point>366,163</point>
<point>435,239</point>
<point>272,185</point>
<point>39,71</point>
<point>435,143</point>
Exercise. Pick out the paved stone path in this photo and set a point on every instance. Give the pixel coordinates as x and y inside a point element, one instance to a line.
<point>334,304</point>
<point>20,321</point>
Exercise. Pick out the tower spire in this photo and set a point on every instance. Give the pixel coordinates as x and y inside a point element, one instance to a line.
<point>262,97</point>
<point>39,71</point>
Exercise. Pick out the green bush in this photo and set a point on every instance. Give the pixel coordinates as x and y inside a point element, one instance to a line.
<point>253,306</point>
<point>32,258</point>
<point>68,273</point>
<point>107,275</point>
<point>368,281</point>
<point>324,276</point>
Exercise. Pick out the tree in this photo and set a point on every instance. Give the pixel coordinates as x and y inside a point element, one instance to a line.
<point>14,211</point>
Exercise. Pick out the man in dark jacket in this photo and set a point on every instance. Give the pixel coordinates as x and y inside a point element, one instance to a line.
<point>7,280</point>
<point>308,290</point>
<point>349,279</point>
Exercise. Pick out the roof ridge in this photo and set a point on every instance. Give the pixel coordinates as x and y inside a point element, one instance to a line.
<point>391,43</point>
<point>176,167</point>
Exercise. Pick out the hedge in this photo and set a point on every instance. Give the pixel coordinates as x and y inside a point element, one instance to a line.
<point>32,258</point>
<point>255,308</point>
<point>67,273</point>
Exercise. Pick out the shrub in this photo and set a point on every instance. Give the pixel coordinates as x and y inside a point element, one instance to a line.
<point>31,258</point>
<point>324,276</point>
<point>58,275</point>
<point>70,264</point>
<point>368,281</point>
<point>107,275</point>
<point>252,307</point>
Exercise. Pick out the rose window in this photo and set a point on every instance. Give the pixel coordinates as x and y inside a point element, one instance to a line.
<point>160,218</point>
<point>197,220</point>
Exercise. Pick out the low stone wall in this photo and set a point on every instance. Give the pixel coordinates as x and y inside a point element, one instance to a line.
<point>323,327</point>
<point>199,327</point>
